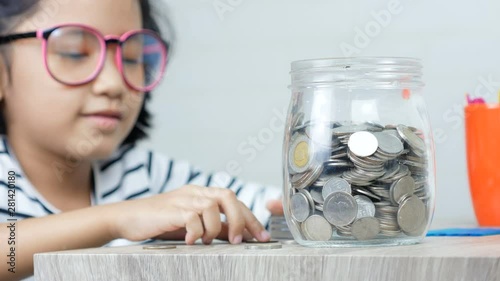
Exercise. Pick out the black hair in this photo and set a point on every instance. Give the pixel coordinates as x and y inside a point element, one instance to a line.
<point>12,11</point>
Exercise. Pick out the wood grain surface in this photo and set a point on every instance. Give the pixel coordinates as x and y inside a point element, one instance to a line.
<point>441,258</point>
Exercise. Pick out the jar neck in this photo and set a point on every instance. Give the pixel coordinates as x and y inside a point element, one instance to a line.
<point>363,72</point>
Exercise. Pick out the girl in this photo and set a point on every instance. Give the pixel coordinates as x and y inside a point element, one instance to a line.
<point>74,92</point>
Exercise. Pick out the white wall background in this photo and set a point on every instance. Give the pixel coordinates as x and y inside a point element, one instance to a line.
<point>229,76</point>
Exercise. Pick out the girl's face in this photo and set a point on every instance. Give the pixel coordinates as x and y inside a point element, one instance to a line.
<point>88,121</point>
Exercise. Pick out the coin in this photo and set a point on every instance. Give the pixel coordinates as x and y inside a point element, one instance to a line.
<point>366,208</point>
<point>335,184</point>
<point>263,246</point>
<point>159,247</point>
<point>412,215</point>
<point>411,138</point>
<point>340,208</point>
<point>300,207</point>
<point>317,228</point>
<point>382,181</point>
<point>300,155</point>
<point>259,242</point>
<point>316,194</point>
<point>300,181</point>
<point>388,143</point>
<point>365,228</point>
<point>363,144</point>
<point>402,188</point>
<point>298,120</point>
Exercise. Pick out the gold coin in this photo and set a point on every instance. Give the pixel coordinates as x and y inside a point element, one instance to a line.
<point>301,154</point>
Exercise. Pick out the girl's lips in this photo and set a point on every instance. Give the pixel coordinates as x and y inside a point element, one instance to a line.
<point>104,122</point>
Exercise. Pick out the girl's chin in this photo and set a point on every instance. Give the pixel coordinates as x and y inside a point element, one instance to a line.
<point>97,150</point>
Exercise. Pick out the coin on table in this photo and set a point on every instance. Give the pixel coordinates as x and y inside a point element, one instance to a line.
<point>412,216</point>
<point>301,207</point>
<point>365,228</point>
<point>411,138</point>
<point>262,245</point>
<point>389,143</point>
<point>340,208</point>
<point>402,188</point>
<point>159,247</point>
<point>363,144</point>
<point>300,155</point>
<point>259,242</point>
<point>335,184</point>
<point>366,208</point>
<point>317,228</point>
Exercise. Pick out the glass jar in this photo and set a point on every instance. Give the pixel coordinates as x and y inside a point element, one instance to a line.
<point>358,153</point>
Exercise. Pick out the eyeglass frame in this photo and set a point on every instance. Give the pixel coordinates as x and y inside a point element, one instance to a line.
<point>104,40</point>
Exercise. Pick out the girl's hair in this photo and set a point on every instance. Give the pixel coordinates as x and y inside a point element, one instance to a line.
<point>11,11</point>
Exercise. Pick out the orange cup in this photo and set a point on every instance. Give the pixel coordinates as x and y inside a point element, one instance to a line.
<point>482,128</point>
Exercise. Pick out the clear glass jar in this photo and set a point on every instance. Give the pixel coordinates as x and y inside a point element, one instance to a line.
<point>358,153</point>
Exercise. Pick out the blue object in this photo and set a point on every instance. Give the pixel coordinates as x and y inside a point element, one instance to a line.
<point>464,232</point>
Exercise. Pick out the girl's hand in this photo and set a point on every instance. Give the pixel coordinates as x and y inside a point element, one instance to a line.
<point>190,209</point>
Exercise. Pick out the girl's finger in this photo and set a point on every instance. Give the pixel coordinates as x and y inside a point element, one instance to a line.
<point>223,235</point>
<point>247,236</point>
<point>210,213</point>
<point>253,225</point>
<point>231,207</point>
<point>194,226</point>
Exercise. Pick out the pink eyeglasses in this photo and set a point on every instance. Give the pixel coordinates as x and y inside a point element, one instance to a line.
<point>74,54</point>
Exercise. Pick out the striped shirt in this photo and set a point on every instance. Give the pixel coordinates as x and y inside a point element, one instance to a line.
<point>130,173</point>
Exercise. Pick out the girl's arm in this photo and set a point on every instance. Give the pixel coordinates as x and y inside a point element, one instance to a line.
<point>84,228</point>
<point>193,210</point>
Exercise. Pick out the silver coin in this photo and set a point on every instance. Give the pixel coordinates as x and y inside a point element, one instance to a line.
<point>309,197</point>
<point>316,194</point>
<point>348,129</point>
<point>319,207</point>
<point>308,178</point>
<point>412,216</point>
<point>363,144</point>
<point>300,155</point>
<point>159,247</point>
<point>366,208</point>
<point>402,188</point>
<point>335,184</point>
<point>300,207</point>
<point>365,228</point>
<point>340,208</point>
<point>263,246</point>
<point>259,242</point>
<point>388,143</point>
<point>317,228</point>
<point>297,120</point>
<point>411,138</point>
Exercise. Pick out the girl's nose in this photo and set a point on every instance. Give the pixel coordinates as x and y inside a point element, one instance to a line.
<point>110,81</point>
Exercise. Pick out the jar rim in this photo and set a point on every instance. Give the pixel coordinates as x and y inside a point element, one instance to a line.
<point>358,72</point>
<point>347,62</point>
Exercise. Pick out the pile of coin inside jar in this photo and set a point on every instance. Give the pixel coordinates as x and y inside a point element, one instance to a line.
<point>357,181</point>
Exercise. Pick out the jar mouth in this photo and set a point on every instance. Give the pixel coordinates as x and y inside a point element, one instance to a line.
<point>354,72</point>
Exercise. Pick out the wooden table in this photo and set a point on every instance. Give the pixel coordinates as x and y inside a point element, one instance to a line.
<point>442,258</point>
